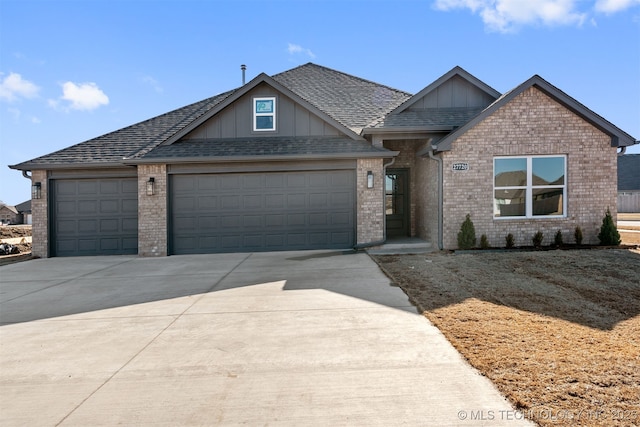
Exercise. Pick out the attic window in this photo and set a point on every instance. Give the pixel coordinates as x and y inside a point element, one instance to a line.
<point>264,114</point>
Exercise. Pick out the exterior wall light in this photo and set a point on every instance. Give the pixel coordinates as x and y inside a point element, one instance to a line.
<point>151,186</point>
<point>369,179</point>
<point>36,190</point>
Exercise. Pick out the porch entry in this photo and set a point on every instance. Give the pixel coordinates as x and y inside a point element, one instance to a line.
<point>396,201</point>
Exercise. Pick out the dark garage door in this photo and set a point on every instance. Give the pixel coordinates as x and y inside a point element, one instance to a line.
<point>95,217</point>
<point>262,211</point>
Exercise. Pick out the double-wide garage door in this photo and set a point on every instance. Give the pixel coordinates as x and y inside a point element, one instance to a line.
<point>95,217</point>
<point>262,211</point>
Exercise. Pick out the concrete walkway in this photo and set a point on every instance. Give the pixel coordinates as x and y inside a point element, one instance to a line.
<point>288,338</point>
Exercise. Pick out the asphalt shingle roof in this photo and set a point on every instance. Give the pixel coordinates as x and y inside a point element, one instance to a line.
<point>430,117</point>
<point>257,147</point>
<point>352,101</point>
<point>135,139</point>
<point>629,172</point>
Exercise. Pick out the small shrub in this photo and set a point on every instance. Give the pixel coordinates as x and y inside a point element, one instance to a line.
<point>467,234</point>
<point>609,235</point>
<point>558,239</point>
<point>578,235</point>
<point>484,242</point>
<point>510,241</point>
<point>537,239</point>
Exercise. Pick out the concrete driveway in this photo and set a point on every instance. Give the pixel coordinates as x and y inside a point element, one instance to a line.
<point>287,338</point>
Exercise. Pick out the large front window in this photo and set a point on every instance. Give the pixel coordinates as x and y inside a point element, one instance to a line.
<point>529,187</point>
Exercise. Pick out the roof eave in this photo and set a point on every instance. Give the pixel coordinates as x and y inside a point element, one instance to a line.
<point>30,166</point>
<point>262,158</point>
<point>406,129</point>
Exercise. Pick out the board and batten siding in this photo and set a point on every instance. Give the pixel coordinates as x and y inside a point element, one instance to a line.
<point>455,92</point>
<point>236,120</point>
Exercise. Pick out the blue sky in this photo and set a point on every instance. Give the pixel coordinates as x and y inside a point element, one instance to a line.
<point>74,70</point>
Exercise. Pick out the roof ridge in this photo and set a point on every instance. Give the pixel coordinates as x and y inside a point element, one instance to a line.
<point>344,74</point>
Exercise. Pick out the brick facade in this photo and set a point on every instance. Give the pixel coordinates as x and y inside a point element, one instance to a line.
<point>370,209</point>
<point>152,211</point>
<point>530,124</point>
<point>40,215</point>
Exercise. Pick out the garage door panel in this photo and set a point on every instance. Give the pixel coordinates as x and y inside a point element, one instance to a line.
<point>262,211</point>
<point>89,188</point>
<point>87,226</point>
<point>129,187</point>
<point>230,202</point>
<point>130,225</point>
<point>208,202</point>
<point>130,206</point>
<point>109,187</point>
<point>109,206</point>
<point>87,207</point>
<point>109,225</point>
<point>94,216</point>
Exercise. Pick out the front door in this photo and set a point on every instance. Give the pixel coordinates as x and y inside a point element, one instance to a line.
<point>396,200</point>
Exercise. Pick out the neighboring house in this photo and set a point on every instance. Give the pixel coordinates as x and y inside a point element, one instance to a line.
<point>24,209</point>
<point>9,215</point>
<point>313,158</point>
<point>629,183</point>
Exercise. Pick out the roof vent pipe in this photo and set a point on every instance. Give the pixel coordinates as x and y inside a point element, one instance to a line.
<point>244,69</point>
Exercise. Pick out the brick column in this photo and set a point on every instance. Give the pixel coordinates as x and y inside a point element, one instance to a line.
<point>152,211</point>
<point>370,203</point>
<point>40,216</point>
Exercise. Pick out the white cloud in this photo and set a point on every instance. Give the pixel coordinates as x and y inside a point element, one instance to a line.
<point>613,6</point>
<point>295,49</point>
<point>83,96</point>
<point>510,15</point>
<point>14,86</point>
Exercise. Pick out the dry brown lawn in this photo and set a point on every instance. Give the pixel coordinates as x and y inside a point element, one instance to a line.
<point>557,331</point>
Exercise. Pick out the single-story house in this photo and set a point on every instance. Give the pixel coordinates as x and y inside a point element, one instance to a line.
<point>24,210</point>
<point>9,214</point>
<point>314,158</point>
<point>629,183</point>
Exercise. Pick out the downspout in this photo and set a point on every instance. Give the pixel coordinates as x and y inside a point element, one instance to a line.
<point>623,149</point>
<point>384,217</point>
<point>440,196</point>
<point>24,173</point>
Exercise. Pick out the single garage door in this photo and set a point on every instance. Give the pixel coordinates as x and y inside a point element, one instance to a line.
<point>262,211</point>
<point>95,217</point>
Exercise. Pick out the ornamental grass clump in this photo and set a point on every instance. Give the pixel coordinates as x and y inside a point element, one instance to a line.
<point>467,234</point>
<point>577,234</point>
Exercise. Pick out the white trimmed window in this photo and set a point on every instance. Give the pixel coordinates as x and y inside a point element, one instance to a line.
<point>264,114</point>
<point>530,187</point>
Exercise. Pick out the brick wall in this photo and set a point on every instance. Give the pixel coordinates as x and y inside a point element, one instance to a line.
<point>531,124</point>
<point>152,211</point>
<point>40,216</point>
<point>370,209</point>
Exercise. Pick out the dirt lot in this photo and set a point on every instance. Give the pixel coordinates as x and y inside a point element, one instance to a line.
<point>557,331</point>
<point>12,231</point>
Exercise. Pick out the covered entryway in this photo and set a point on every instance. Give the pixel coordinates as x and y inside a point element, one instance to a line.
<point>262,211</point>
<point>94,216</point>
<point>397,202</point>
